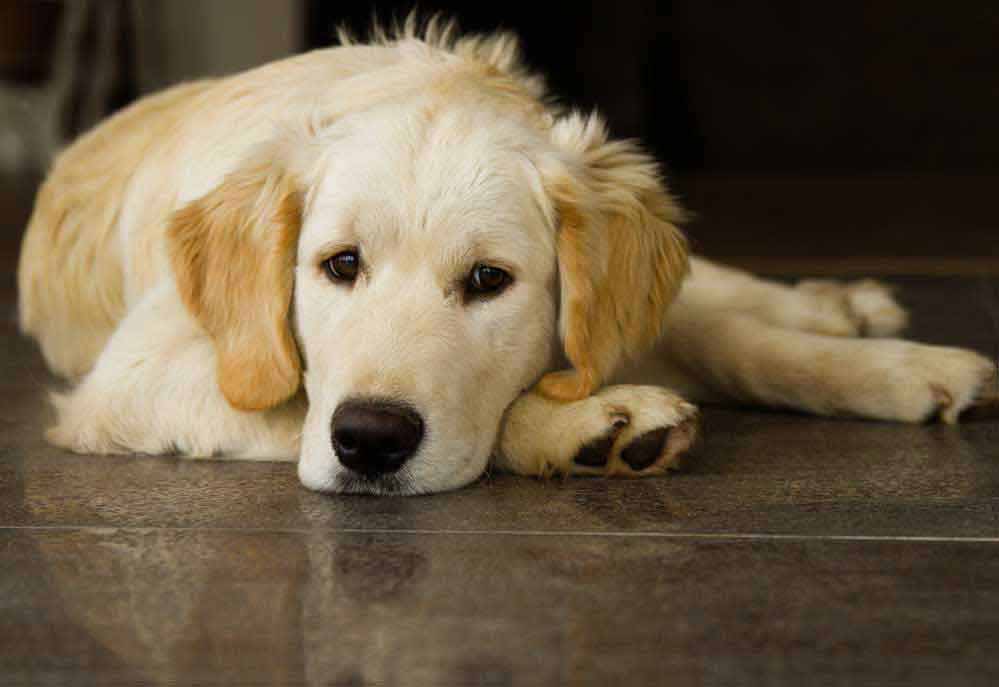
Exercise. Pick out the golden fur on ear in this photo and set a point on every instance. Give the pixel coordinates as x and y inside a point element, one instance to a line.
<point>621,256</point>
<point>233,255</point>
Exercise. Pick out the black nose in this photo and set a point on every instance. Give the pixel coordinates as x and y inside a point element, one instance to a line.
<point>375,437</point>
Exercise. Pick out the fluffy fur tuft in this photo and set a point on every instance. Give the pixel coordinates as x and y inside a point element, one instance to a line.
<point>500,50</point>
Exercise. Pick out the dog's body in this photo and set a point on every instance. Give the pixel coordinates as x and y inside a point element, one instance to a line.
<point>178,264</point>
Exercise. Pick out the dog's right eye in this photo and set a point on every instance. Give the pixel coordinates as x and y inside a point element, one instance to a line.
<point>486,280</point>
<point>343,266</point>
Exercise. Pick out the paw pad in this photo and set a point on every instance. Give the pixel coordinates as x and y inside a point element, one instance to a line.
<point>645,449</point>
<point>596,453</point>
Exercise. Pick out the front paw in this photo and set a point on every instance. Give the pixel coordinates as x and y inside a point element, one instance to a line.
<point>624,431</point>
<point>632,431</point>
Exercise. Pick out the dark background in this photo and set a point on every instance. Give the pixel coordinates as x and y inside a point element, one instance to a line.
<point>806,136</point>
<point>778,85</point>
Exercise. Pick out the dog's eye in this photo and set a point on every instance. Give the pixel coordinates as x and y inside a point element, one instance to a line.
<point>343,266</point>
<point>486,280</point>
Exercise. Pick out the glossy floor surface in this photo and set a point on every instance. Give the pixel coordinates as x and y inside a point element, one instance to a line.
<point>794,550</point>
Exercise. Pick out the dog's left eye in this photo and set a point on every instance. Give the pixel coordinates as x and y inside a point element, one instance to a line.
<point>343,266</point>
<point>486,280</point>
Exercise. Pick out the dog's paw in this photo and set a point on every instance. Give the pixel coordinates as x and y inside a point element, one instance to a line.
<point>79,427</point>
<point>873,306</point>
<point>953,380</point>
<point>92,424</point>
<point>913,382</point>
<point>631,431</point>
<point>625,431</point>
<point>858,308</point>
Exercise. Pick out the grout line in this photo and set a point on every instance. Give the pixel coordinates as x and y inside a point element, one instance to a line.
<point>717,536</point>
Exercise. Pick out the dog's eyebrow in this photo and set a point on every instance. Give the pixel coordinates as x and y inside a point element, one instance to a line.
<point>343,234</point>
<point>491,244</point>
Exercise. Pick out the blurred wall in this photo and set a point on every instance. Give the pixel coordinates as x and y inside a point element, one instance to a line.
<point>67,64</point>
<point>178,40</point>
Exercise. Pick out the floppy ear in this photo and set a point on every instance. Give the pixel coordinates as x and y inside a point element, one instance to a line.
<point>621,256</point>
<point>233,256</point>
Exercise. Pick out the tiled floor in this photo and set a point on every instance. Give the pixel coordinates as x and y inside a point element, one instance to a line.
<point>794,551</point>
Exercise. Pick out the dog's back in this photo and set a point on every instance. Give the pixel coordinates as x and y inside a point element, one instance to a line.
<point>70,277</point>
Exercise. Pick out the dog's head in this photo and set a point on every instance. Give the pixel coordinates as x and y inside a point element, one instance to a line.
<point>414,265</point>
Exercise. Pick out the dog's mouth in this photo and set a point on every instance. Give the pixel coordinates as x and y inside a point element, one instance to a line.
<point>397,483</point>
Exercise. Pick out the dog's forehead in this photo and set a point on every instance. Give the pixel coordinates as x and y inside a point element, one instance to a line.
<point>455,173</point>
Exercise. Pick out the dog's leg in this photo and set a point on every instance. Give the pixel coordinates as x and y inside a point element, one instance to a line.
<point>153,390</point>
<point>858,308</point>
<point>740,357</point>
<point>625,430</point>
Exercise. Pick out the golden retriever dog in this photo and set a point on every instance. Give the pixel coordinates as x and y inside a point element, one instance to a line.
<point>398,263</point>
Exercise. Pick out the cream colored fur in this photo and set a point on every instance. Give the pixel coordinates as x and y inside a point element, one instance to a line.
<point>172,269</point>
